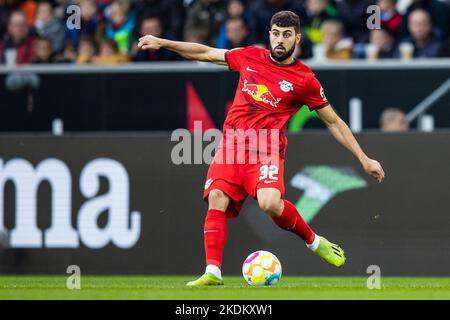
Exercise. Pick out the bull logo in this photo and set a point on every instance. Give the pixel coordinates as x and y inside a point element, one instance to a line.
<point>259,92</point>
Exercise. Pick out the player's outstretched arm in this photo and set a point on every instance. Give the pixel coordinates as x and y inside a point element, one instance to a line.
<point>188,50</point>
<point>342,133</point>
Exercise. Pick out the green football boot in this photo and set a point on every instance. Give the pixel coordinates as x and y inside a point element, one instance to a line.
<point>330,252</point>
<point>208,279</point>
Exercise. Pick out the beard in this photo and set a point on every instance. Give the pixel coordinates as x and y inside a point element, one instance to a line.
<point>281,55</point>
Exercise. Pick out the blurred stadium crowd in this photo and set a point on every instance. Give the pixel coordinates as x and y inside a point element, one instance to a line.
<point>36,31</point>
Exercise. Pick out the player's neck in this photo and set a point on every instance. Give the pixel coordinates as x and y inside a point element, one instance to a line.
<point>289,60</point>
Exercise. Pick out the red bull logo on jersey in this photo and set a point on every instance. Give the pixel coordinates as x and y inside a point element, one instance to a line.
<point>259,92</point>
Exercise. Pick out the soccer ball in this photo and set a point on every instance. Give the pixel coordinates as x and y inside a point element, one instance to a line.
<point>261,268</point>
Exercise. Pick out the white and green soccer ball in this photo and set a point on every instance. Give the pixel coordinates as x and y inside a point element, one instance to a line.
<point>261,268</point>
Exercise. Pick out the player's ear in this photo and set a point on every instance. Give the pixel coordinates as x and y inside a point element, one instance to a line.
<point>298,37</point>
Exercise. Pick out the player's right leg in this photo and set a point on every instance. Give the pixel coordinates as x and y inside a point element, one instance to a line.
<point>215,236</point>
<point>225,196</point>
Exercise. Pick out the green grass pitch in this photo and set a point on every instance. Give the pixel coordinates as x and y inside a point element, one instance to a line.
<point>173,288</point>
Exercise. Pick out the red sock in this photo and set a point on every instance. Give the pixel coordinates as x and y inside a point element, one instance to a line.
<point>291,220</point>
<point>215,236</point>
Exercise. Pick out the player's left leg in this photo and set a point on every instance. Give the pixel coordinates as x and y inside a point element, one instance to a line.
<point>287,217</point>
<point>265,183</point>
<point>285,214</point>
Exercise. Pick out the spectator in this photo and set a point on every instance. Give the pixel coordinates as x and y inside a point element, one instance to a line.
<point>18,37</point>
<point>353,13</point>
<point>236,34</point>
<point>235,9</point>
<point>393,120</point>
<point>383,41</point>
<point>203,21</point>
<point>391,19</point>
<point>109,53</point>
<point>87,49</point>
<point>426,42</point>
<point>317,11</point>
<point>121,25</point>
<point>48,26</point>
<point>262,11</point>
<point>336,46</point>
<point>171,13</point>
<point>92,23</point>
<point>438,11</point>
<point>230,24</point>
<point>153,26</point>
<point>43,51</point>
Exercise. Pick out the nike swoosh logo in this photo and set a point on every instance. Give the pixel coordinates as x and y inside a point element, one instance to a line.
<point>269,181</point>
<point>251,70</point>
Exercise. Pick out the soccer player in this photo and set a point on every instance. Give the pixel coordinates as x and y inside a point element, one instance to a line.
<point>272,87</point>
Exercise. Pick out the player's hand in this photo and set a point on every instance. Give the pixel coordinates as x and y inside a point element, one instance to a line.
<point>374,169</point>
<point>149,42</point>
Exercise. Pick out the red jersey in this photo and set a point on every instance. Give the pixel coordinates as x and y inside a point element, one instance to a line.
<point>269,93</point>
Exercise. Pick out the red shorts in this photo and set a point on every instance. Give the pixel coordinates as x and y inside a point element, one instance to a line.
<point>241,180</point>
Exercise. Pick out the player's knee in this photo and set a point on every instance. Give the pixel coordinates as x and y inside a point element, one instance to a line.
<point>271,205</point>
<point>217,199</point>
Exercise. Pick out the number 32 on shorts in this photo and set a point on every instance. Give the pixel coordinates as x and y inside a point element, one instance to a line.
<point>268,172</point>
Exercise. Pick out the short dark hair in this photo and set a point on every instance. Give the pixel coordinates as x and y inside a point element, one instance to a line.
<point>286,19</point>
